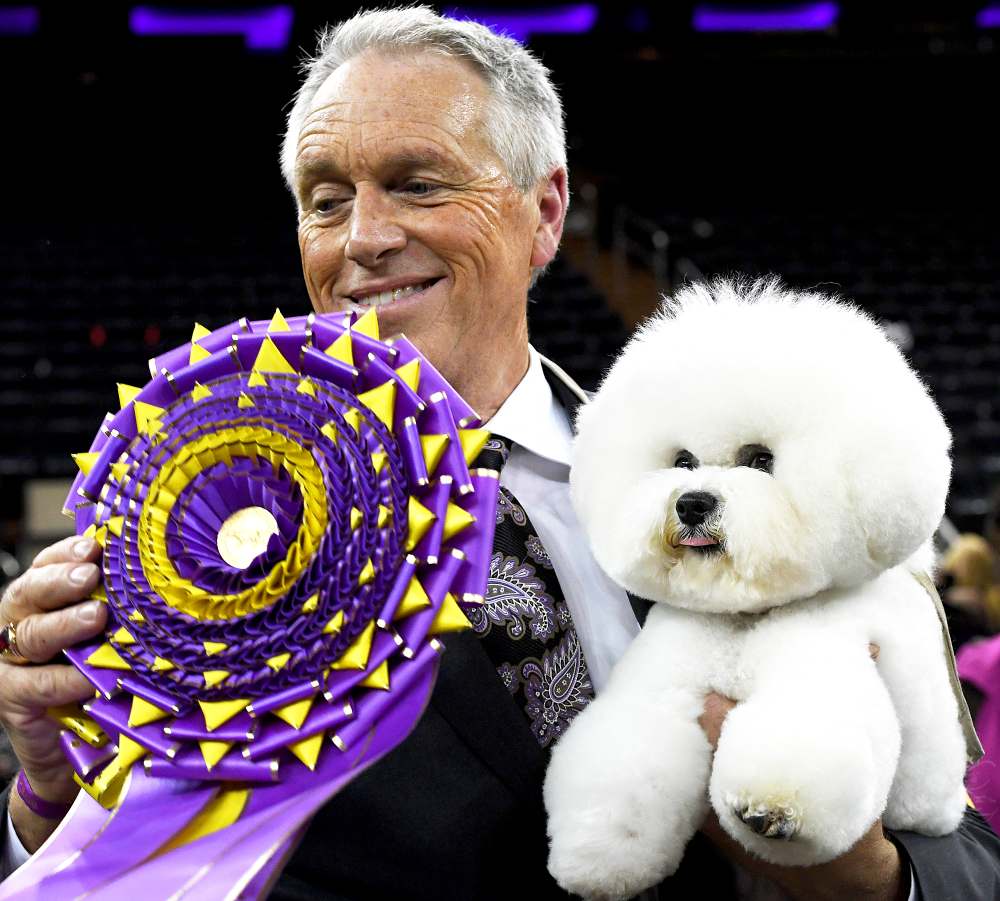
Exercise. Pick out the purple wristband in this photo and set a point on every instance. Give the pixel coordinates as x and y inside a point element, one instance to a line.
<point>43,808</point>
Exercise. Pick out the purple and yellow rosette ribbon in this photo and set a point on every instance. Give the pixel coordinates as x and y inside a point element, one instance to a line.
<point>288,520</point>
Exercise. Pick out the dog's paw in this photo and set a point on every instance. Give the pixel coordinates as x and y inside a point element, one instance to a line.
<point>769,817</point>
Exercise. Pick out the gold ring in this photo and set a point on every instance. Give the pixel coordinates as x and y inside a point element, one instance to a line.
<point>8,645</point>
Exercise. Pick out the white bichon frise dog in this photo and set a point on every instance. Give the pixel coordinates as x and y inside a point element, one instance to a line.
<point>767,468</point>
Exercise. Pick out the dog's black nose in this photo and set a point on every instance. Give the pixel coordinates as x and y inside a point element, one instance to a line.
<point>694,506</point>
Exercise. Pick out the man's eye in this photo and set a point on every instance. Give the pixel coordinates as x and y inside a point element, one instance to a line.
<point>419,188</point>
<point>327,204</point>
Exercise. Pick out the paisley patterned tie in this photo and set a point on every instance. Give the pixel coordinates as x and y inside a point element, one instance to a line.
<point>524,622</point>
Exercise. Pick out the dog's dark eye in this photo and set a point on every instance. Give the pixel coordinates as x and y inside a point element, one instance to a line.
<point>686,460</point>
<point>756,456</point>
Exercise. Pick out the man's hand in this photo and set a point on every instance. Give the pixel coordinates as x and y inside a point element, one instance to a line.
<point>44,604</point>
<point>870,870</point>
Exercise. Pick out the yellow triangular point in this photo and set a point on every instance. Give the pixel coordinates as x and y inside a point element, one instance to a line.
<point>245,401</point>
<point>415,599</point>
<point>381,401</point>
<point>215,677</point>
<point>356,656</point>
<point>119,471</point>
<point>410,373</point>
<point>101,536</point>
<point>99,594</point>
<point>106,657</point>
<point>455,520</point>
<point>90,531</point>
<point>378,460</point>
<point>278,323</point>
<point>129,751</point>
<point>198,353</point>
<point>86,461</point>
<point>330,430</point>
<point>161,665</point>
<point>341,349</point>
<point>357,517</point>
<point>136,616</point>
<point>367,324</point>
<point>213,751</point>
<point>143,712</point>
<point>384,515</point>
<point>257,380</point>
<point>200,392</point>
<point>278,660</point>
<point>335,624</point>
<point>311,605</point>
<point>353,419</point>
<point>379,677</point>
<point>306,387</point>
<point>214,647</point>
<point>308,749</point>
<point>450,617</point>
<point>115,524</point>
<point>420,521</point>
<point>295,713</point>
<point>126,394</point>
<point>145,415</point>
<point>153,426</point>
<point>199,332</point>
<point>433,446</point>
<point>367,573</point>
<point>123,637</point>
<point>218,712</point>
<point>473,441</point>
<point>269,359</point>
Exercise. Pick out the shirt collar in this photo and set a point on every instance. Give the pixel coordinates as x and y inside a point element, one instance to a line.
<point>532,418</point>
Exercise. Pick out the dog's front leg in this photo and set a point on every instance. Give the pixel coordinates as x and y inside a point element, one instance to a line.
<point>626,787</point>
<point>804,765</point>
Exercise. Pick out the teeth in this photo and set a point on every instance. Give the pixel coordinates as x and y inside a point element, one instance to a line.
<point>383,298</point>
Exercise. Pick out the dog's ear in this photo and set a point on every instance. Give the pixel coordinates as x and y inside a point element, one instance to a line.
<point>899,481</point>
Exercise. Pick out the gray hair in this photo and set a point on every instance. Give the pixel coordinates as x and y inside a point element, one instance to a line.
<point>525,125</point>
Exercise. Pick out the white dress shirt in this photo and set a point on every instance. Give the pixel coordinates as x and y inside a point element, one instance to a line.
<point>537,474</point>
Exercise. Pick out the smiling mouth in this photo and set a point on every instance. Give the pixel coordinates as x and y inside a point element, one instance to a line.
<point>380,299</point>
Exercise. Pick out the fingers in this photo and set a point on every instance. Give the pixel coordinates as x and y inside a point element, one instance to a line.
<point>39,687</point>
<point>49,587</point>
<point>714,712</point>
<point>43,635</point>
<point>72,549</point>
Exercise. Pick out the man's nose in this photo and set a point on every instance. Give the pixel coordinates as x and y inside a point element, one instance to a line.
<point>374,232</point>
<point>693,507</point>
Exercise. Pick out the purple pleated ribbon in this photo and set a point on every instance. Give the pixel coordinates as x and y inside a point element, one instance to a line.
<point>234,697</point>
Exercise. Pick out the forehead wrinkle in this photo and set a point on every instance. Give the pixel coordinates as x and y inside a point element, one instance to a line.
<point>369,148</point>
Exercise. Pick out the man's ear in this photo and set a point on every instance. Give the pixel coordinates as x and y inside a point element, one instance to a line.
<point>552,197</point>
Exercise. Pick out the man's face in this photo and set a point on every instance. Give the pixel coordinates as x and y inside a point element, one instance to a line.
<point>405,206</point>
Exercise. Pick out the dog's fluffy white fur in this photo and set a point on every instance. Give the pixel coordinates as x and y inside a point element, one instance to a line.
<point>814,561</point>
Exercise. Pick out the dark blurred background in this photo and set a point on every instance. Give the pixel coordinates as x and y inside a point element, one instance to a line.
<point>848,145</point>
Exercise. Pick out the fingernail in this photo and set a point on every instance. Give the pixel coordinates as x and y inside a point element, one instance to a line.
<point>80,574</point>
<point>83,547</point>
<point>88,612</point>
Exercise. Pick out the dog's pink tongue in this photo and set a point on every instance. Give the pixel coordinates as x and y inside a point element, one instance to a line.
<point>697,541</point>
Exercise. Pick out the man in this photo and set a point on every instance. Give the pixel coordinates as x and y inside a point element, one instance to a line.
<point>427,162</point>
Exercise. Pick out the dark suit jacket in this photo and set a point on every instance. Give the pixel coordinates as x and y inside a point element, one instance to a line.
<point>455,812</point>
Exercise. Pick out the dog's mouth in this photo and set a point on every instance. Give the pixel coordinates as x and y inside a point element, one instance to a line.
<point>700,542</point>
